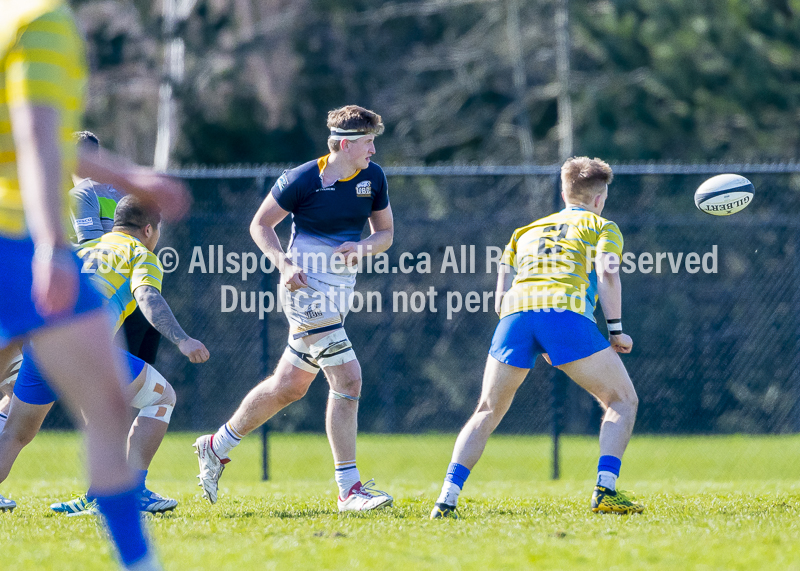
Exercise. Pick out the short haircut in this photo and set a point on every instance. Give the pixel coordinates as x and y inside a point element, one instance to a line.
<point>353,117</point>
<point>86,140</point>
<point>583,178</point>
<point>134,213</point>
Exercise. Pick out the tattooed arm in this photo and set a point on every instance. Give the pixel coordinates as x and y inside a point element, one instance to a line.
<point>160,316</point>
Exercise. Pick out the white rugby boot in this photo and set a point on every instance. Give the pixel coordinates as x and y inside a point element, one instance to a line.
<point>364,497</point>
<point>154,503</point>
<point>211,467</point>
<point>7,505</point>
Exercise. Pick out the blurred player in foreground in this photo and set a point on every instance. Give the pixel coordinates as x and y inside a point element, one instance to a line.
<point>330,200</point>
<point>92,207</point>
<point>125,271</point>
<point>45,298</point>
<point>549,309</point>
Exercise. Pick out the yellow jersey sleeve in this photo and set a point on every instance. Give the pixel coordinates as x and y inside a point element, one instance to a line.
<point>146,270</point>
<point>510,253</point>
<point>610,239</point>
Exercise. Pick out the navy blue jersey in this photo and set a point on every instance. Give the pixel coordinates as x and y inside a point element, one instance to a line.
<point>334,214</point>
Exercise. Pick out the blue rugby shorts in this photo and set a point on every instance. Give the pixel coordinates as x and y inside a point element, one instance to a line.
<point>32,388</point>
<point>564,335</point>
<point>18,315</point>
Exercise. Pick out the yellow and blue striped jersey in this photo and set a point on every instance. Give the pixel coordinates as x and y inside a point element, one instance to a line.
<point>554,260</point>
<point>42,63</point>
<point>119,264</point>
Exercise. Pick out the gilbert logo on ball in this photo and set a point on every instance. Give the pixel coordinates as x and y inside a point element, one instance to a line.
<point>724,194</point>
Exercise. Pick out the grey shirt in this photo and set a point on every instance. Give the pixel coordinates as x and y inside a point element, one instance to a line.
<point>92,207</point>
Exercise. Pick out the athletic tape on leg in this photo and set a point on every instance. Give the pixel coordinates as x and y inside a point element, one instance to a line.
<point>155,399</point>
<point>334,349</point>
<point>296,353</point>
<point>332,394</point>
<point>162,412</point>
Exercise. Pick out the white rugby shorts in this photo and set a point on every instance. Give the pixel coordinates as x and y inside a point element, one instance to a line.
<point>317,308</point>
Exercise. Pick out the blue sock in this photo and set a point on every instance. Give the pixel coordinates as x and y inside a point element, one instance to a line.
<point>457,474</point>
<point>143,478</point>
<point>124,524</point>
<point>607,471</point>
<point>609,464</point>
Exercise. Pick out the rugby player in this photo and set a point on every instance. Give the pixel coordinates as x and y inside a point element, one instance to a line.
<point>330,200</point>
<point>92,206</point>
<point>45,298</point>
<point>548,308</point>
<point>126,272</point>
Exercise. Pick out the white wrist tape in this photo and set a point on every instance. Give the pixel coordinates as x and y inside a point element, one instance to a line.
<point>614,326</point>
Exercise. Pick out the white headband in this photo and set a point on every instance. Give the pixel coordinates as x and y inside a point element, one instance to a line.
<point>349,134</point>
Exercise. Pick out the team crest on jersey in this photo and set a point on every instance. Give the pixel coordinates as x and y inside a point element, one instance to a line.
<point>364,189</point>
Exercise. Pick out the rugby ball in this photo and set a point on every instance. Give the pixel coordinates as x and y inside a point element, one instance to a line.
<point>724,194</point>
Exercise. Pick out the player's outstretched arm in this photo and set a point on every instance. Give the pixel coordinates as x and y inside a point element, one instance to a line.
<point>262,229</point>
<point>609,290</point>
<point>167,193</point>
<point>157,311</point>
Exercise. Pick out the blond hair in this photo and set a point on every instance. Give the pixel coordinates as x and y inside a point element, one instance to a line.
<point>353,117</point>
<point>583,178</point>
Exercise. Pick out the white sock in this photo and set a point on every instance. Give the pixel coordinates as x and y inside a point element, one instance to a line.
<point>225,440</point>
<point>347,476</point>
<point>3,418</point>
<point>449,495</point>
<point>607,480</point>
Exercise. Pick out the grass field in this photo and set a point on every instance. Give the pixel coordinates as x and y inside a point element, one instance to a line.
<point>712,503</point>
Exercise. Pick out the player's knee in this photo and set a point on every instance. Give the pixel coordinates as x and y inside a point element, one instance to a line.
<point>156,399</point>
<point>169,397</point>
<point>347,384</point>
<point>291,389</point>
<point>484,408</point>
<point>18,434</point>
<point>332,350</point>
<point>488,415</point>
<point>634,400</point>
<point>624,402</point>
<point>288,384</point>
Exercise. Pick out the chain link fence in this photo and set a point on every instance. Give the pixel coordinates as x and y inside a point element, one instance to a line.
<point>716,340</point>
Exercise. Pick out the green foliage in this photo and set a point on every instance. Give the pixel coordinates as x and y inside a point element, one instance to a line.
<point>676,79</point>
<point>686,80</point>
